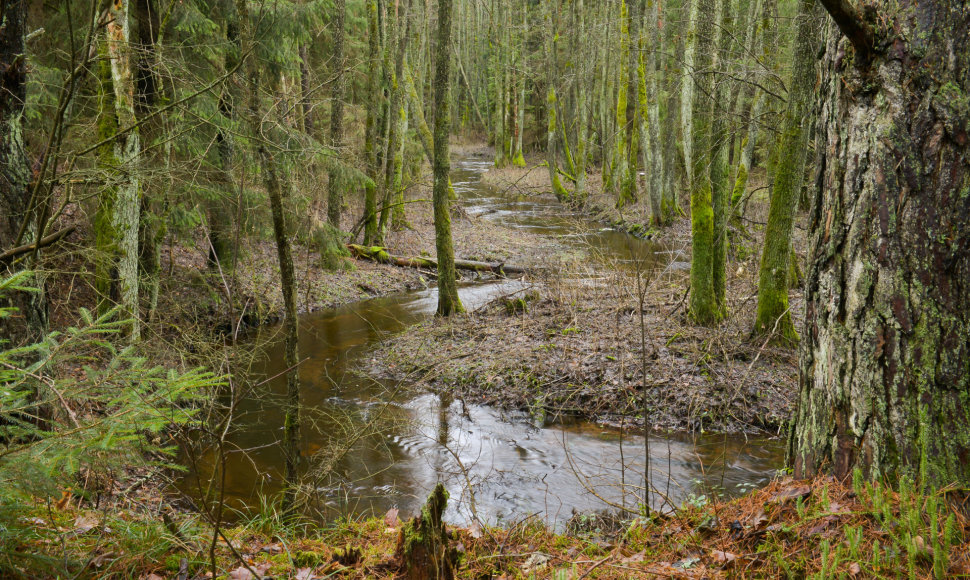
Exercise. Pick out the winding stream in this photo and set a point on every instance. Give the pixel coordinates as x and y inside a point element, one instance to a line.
<point>387,445</point>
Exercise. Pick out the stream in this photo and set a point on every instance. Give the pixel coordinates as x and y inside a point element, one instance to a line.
<point>385,445</point>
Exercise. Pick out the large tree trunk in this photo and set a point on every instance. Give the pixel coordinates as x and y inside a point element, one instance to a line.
<point>650,112</point>
<point>885,366</point>
<point>773,311</point>
<point>30,323</point>
<point>674,78</point>
<point>448,301</point>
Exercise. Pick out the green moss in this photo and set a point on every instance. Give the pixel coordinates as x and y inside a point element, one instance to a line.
<point>702,306</point>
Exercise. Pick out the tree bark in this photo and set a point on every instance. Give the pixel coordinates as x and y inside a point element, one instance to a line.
<point>720,188</point>
<point>448,301</point>
<point>334,199</point>
<point>885,365</point>
<point>374,96</point>
<point>773,311</point>
<point>703,308</point>
<point>30,323</point>
<point>126,208</point>
<point>275,190</point>
<point>422,545</point>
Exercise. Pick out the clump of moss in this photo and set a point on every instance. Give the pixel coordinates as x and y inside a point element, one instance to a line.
<point>329,243</point>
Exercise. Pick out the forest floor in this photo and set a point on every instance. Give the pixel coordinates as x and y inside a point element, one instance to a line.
<point>819,528</point>
<point>571,343</point>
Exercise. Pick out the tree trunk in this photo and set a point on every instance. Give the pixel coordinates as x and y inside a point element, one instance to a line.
<point>30,323</point>
<point>650,111</point>
<point>720,190</point>
<point>149,88</point>
<point>397,43</point>
<point>773,312</point>
<point>374,96</point>
<point>421,123</point>
<point>622,175</point>
<point>703,308</point>
<point>126,208</point>
<point>222,250</point>
<point>674,77</point>
<point>885,365</point>
<point>275,190</point>
<point>448,301</point>
<point>552,160</point>
<point>334,199</point>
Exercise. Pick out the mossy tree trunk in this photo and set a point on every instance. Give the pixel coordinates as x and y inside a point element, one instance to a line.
<point>396,46</point>
<point>552,105</point>
<point>687,88</point>
<point>674,77</point>
<point>275,189</point>
<point>623,177</point>
<point>15,177</point>
<point>650,111</point>
<point>374,99</point>
<point>720,138</point>
<point>885,365</point>
<point>416,111</point>
<point>703,308</point>
<point>334,197</point>
<point>448,301</point>
<point>773,312</point>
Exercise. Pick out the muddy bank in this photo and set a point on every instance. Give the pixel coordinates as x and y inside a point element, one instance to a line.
<point>563,348</point>
<point>571,344</point>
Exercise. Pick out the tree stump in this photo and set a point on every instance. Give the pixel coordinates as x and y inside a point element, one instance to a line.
<point>422,545</point>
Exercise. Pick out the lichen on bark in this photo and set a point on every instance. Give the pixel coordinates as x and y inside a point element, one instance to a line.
<point>885,366</point>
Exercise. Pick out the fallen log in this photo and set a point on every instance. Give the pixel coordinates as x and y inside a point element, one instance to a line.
<point>380,254</point>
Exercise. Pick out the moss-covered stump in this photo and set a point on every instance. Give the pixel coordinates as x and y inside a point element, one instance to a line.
<point>422,545</point>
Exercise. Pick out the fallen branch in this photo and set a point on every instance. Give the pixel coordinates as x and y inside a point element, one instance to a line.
<point>45,241</point>
<point>379,254</point>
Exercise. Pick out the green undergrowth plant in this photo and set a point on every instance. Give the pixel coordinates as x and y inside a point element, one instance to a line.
<point>76,403</point>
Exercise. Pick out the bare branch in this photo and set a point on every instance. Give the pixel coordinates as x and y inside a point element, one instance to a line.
<point>850,22</point>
